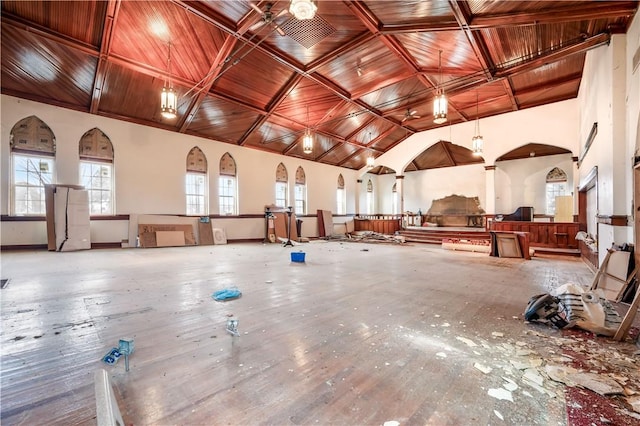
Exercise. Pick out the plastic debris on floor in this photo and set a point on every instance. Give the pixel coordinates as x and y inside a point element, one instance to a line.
<point>226,294</point>
<point>112,356</point>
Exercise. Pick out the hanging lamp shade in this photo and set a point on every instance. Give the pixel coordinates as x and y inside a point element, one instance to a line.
<point>303,9</point>
<point>440,104</point>
<point>168,102</point>
<point>370,162</point>
<point>440,107</point>
<point>168,97</point>
<point>307,142</point>
<point>477,142</point>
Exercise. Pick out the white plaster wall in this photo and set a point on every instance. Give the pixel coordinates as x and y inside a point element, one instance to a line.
<point>149,171</point>
<point>523,182</point>
<point>554,124</point>
<point>422,187</point>
<point>609,95</point>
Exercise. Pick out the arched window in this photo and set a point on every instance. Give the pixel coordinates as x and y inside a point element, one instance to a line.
<point>282,186</point>
<point>370,207</point>
<point>301,192</point>
<point>341,198</point>
<point>228,186</point>
<point>196,183</point>
<point>96,171</point>
<point>394,199</point>
<point>556,186</point>
<point>33,151</point>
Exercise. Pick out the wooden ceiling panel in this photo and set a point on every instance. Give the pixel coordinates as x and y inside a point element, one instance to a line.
<point>532,150</point>
<point>48,71</point>
<point>80,20</point>
<point>310,40</point>
<point>307,96</point>
<point>396,98</point>
<point>272,136</point>
<point>116,99</point>
<point>550,74</point>
<point>144,30</point>
<point>556,93</point>
<point>409,11</point>
<point>337,153</point>
<point>458,57</point>
<point>511,46</point>
<point>377,66</point>
<point>222,120</point>
<point>359,67</point>
<point>268,77</point>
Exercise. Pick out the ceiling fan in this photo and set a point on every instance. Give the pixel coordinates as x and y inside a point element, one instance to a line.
<point>268,18</point>
<point>410,115</point>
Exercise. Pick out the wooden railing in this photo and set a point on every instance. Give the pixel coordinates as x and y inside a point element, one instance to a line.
<point>381,223</point>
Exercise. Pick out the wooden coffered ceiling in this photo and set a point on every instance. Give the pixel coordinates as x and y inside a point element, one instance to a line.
<point>351,74</point>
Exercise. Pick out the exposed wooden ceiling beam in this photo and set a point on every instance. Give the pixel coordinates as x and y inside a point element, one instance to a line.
<point>207,82</point>
<point>462,12</point>
<point>594,10</point>
<point>354,43</point>
<point>113,6</point>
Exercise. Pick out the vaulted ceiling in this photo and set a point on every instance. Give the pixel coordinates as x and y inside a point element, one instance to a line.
<point>361,74</point>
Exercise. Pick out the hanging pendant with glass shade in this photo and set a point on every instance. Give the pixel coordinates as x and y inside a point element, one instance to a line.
<point>307,139</point>
<point>440,104</point>
<point>371,162</point>
<point>307,142</point>
<point>168,97</point>
<point>477,142</point>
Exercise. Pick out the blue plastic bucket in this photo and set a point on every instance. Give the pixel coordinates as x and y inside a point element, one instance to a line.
<point>297,256</point>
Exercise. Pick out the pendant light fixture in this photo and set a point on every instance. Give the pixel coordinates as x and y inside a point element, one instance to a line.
<point>440,101</point>
<point>477,141</point>
<point>303,9</point>
<point>307,139</point>
<point>168,98</point>
<point>370,160</point>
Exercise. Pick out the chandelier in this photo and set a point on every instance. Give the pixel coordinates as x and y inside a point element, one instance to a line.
<point>303,9</point>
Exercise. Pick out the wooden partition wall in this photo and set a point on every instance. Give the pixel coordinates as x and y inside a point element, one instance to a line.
<point>544,234</point>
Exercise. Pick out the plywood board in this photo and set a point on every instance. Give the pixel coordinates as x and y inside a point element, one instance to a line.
<point>170,238</point>
<point>564,209</point>
<point>281,221</point>
<point>189,237</point>
<point>508,245</point>
<point>613,281</point>
<point>205,233</point>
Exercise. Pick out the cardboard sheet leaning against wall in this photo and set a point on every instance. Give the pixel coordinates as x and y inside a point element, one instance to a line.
<point>72,219</point>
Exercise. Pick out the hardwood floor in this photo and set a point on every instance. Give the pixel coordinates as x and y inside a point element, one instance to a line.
<point>359,334</point>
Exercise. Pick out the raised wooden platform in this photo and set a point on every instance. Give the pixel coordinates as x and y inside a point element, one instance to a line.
<point>435,235</point>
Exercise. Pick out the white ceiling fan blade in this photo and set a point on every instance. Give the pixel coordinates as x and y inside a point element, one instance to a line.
<point>255,27</point>
<point>282,13</point>
<point>279,30</point>
<point>256,8</point>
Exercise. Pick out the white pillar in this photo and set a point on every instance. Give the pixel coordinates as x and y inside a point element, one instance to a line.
<point>400,192</point>
<point>358,191</point>
<point>490,189</point>
<point>576,183</point>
